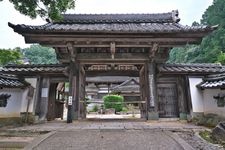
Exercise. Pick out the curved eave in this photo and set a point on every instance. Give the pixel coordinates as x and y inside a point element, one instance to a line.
<point>24,29</point>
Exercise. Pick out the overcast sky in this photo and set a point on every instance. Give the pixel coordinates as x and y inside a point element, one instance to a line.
<point>189,11</point>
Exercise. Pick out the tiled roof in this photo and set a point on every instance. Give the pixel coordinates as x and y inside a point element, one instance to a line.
<point>130,85</point>
<point>12,82</point>
<point>119,18</point>
<point>191,68</point>
<point>112,23</point>
<point>114,27</point>
<point>53,68</point>
<point>213,81</point>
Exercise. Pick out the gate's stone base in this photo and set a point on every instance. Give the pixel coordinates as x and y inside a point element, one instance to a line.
<point>183,116</point>
<point>153,115</point>
<point>75,115</point>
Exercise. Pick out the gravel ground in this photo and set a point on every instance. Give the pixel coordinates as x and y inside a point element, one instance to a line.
<point>196,142</point>
<point>109,140</point>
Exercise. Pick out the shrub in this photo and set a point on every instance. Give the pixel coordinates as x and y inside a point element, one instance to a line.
<point>124,109</point>
<point>114,101</point>
<point>208,120</point>
<point>95,108</point>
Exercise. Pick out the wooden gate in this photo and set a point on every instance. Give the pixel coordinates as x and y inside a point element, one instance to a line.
<point>168,103</point>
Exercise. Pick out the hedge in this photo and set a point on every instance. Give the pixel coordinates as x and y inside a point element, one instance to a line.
<point>114,101</point>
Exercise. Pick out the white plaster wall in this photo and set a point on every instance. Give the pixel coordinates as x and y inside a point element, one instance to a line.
<point>33,82</point>
<point>14,102</point>
<point>210,104</point>
<point>196,95</point>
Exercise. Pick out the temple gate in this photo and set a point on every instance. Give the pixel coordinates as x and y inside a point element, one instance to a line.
<point>105,44</point>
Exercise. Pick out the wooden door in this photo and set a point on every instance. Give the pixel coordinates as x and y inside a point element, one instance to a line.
<point>168,103</point>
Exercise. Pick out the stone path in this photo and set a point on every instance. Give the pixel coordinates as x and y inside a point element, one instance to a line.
<point>109,140</point>
<point>109,124</point>
<point>116,134</point>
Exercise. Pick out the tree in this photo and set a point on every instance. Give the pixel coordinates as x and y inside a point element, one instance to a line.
<point>221,58</point>
<point>209,51</point>
<point>44,8</point>
<point>40,55</point>
<point>114,101</point>
<point>9,56</point>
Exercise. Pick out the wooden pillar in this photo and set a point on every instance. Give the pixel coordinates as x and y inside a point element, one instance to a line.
<point>82,93</point>
<point>44,98</point>
<point>182,102</point>
<point>73,100</point>
<point>51,102</point>
<point>152,100</point>
<point>188,96</point>
<point>142,93</point>
<point>38,96</point>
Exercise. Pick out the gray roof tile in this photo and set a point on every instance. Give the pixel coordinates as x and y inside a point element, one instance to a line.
<point>114,27</point>
<point>12,82</point>
<point>33,68</point>
<point>141,23</point>
<point>118,18</point>
<point>204,68</point>
<point>213,81</point>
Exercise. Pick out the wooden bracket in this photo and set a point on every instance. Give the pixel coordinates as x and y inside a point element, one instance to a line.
<point>113,49</point>
<point>153,50</point>
<point>72,51</point>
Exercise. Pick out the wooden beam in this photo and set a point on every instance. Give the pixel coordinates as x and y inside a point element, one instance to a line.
<point>61,45</point>
<point>183,40</point>
<point>112,49</point>
<point>107,56</point>
<point>119,35</point>
<point>112,73</point>
<point>104,61</point>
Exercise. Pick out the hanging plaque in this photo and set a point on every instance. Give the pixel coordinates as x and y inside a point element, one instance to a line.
<point>70,100</point>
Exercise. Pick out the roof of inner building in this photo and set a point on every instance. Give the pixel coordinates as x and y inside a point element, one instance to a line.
<point>213,81</point>
<point>33,69</point>
<point>198,69</point>
<point>10,81</point>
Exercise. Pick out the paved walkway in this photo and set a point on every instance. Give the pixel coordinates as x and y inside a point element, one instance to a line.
<point>98,134</point>
<point>109,124</point>
<point>109,140</point>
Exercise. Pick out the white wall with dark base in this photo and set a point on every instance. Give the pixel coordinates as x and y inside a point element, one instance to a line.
<point>210,104</point>
<point>14,103</point>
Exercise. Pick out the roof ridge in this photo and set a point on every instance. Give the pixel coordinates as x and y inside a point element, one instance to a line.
<point>116,13</point>
<point>194,64</point>
<point>33,65</point>
<point>168,17</point>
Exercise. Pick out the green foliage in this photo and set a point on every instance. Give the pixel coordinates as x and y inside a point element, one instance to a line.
<point>95,108</point>
<point>9,56</point>
<point>40,55</point>
<point>208,120</point>
<point>124,109</point>
<point>206,135</point>
<point>209,51</point>
<point>214,14</point>
<point>221,58</point>
<point>113,101</point>
<point>43,8</point>
<point>184,54</point>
